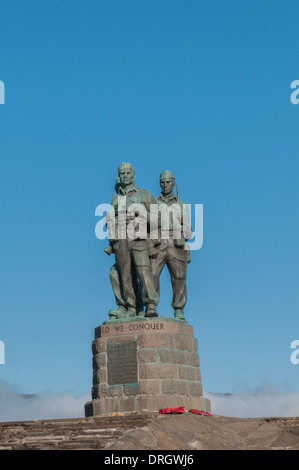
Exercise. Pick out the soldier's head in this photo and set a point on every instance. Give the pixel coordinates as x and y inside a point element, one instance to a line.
<point>126,173</point>
<point>167,182</point>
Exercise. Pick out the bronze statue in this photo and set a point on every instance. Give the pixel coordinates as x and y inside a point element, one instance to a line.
<point>173,249</point>
<point>131,277</point>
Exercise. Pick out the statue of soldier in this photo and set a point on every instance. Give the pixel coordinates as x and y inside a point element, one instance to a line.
<point>173,249</point>
<point>131,276</point>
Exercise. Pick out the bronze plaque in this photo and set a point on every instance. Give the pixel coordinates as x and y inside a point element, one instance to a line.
<point>122,362</point>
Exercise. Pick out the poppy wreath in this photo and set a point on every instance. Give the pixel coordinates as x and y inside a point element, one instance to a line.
<point>179,410</point>
<point>200,413</point>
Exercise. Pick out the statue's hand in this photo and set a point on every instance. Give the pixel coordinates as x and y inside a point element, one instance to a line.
<point>108,250</point>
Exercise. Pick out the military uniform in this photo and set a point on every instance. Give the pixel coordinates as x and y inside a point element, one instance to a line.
<point>131,276</point>
<point>173,251</point>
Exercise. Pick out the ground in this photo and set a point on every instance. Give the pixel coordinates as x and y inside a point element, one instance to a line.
<point>153,432</point>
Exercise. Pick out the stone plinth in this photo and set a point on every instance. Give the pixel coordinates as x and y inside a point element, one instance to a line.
<point>144,365</point>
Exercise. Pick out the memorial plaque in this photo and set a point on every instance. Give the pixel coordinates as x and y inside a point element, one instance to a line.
<point>122,362</point>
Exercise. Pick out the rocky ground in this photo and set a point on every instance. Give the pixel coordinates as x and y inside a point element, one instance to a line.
<point>152,432</point>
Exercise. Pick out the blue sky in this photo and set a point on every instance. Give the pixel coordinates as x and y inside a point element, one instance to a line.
<point>201,88</point>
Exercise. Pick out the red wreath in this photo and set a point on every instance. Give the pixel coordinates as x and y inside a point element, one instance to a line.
<point>200,413</point>
<point>179,410</point>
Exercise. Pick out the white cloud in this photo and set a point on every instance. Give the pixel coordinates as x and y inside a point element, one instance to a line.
<point>266,401</point>
<point>46,405</point>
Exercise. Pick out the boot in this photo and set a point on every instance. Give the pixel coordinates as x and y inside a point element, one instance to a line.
<point>120,312</point>
<point>179,314</point>
<point>151,311</point>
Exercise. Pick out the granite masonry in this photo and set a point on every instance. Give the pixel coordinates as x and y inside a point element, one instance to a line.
<point>142,365</point>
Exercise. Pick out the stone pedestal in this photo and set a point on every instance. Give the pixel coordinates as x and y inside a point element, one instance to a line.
<point>144,365</point>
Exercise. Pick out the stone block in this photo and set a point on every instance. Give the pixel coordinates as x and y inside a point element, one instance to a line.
<point>147,355</point>
<point>198,403</point>
<point>111,405</point>
<point>90,408</point>
<point>150,387</point>
<point>155,403</point>
<point>118,338</point>
<point>168,386</point>
<point>195,345</point>
<point>131,389</point>
<point>94,392</point>
<point>171,356</point>
<point>98,345</point>
<point>100,360</point>
<point>182,387</point>
<point>99,376</point>
<point>195,389</point>
<point>102,375</point>
<point>191,359</point>
<point>184,343</point>
<point>157,371</point>
<point>178,387</point>
<point>101,390</point>
<point>197,374</point>
<point>156,341</point>
<point>129,404</point>
<point>186,373</point>
<point>115,391</point>
<point>185,330</point>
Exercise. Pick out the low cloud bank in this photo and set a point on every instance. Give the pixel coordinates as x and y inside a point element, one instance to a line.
<point>263,402</point>
<point>46,405</point>
<point>266,401</point>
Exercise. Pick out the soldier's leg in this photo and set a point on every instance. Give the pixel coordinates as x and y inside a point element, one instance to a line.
<point>116,287</point>
<point>157,265</point>
<point>150,297</point>
<point>178,275</point>
<point>124,266</point>
<point>137,290</point>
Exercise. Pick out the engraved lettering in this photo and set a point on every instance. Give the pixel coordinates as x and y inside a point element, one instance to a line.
<point>119,328</point>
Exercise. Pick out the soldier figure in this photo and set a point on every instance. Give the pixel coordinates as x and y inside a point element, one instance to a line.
<point>173,250</point>
<point>131,276</point>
